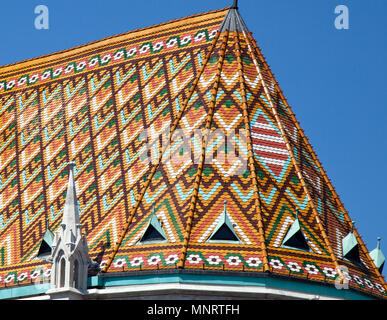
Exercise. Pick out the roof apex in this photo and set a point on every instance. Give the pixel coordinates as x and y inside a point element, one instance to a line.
<point>233,20</point>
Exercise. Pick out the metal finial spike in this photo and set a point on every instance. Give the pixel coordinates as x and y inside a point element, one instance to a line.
<point>353,225</point>
<point>378,245</point>
<point>71,165</point>
<point>235,4</point>
<point>297,213</point>
<point>47,224</point>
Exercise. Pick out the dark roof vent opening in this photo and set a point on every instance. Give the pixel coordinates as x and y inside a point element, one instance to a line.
<point>351,248</point>
<point>224,233</point>
<point>353,255</point>
<point>297,241</point>
<point>295,238</point>
<point>44,250</point>
<point>152,235</point>
<point>154,232</point>
<point>381,267</point>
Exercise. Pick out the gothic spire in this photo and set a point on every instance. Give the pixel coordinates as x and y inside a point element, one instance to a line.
<point>71,211</point>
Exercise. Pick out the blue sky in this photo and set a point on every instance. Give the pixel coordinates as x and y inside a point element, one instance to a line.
<point>335,80</point>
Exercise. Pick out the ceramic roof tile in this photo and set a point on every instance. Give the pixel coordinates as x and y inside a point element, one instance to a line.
<point>108,105</point>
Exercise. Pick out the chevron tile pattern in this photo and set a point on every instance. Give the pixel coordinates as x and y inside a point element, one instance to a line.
<point>110,110</point>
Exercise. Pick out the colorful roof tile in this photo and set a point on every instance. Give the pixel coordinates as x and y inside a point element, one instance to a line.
<point>165,124</point>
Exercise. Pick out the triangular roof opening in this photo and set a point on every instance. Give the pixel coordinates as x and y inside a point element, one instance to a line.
<point>46,244</point>
<point>44,250</point>
<point>224,231</point>
<point>351,247</point>
<point>151,234</point>
<point>295,238</point>
<point>154,232</point>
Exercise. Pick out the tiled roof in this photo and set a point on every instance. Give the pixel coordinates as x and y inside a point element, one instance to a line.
<point>108,106</point>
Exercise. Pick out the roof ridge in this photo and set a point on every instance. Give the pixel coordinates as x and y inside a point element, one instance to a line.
<point>250,155</point>
<point>109,38</point>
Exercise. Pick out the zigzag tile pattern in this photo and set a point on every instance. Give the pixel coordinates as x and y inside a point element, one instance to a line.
<point>109,108</point>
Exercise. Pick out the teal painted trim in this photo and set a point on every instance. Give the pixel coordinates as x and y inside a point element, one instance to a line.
<point>95,281</point>
<point>24,291</point>
<point>296,249</point>
<point>213,279</point>
<point>210,279</point>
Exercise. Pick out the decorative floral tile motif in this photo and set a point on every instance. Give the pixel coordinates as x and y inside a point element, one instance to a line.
<point>108,58</point>
<point>295,267</point>
<point>230,261</point>
<point>37,275</point>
